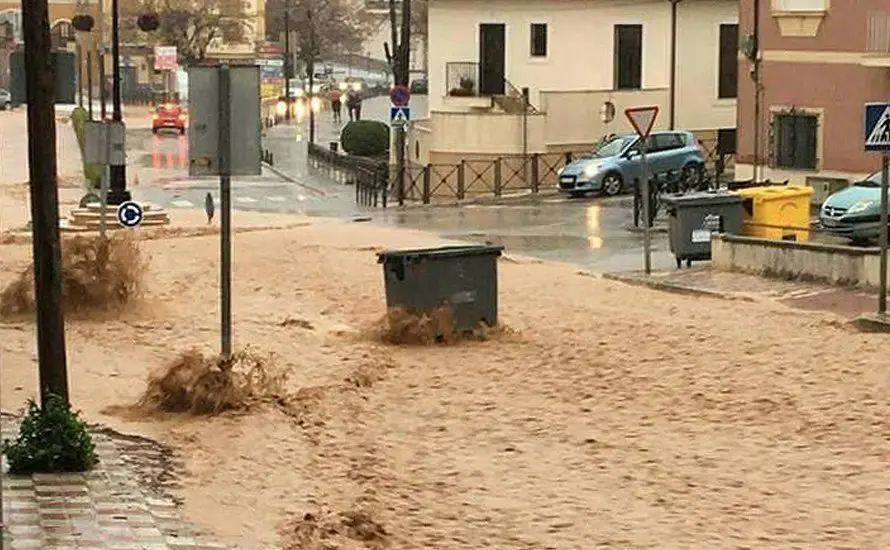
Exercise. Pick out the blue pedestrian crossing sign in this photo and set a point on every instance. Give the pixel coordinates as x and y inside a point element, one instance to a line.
<point>877,126</point>
<point>399,116</point>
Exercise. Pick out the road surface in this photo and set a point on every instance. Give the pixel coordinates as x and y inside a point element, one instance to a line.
<point>592,233</point>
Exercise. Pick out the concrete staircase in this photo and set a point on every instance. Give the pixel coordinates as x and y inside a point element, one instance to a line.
<point>512,104</point>
<point>88,218</point>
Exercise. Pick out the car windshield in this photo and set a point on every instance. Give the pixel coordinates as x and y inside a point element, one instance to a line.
<point>874,180</point>
<point>612,147</point>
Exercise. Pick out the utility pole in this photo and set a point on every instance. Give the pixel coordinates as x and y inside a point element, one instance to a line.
<point>40,96</point>
<point>672,120</point>
<point>311,68</point>
<point>118,181</point>
<point>101,55</point>
<point>755,75</point>
<point>288,62</point>
<point>401,68</point>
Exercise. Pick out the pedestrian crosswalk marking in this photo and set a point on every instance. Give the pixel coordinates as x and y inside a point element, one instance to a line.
<point>182,203</point>
<point>277,199</point>
<point>248,200</point>
<point>880,133</point>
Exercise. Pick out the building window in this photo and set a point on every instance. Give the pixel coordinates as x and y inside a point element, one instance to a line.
<point>628,57</point>
<point>539,39</point>
<point>795,138</point>
<point>801,5</point>
<point>728,65</point>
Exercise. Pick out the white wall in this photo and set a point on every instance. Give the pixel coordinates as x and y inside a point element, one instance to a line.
<point>580,48</point>
<point>698,30</point>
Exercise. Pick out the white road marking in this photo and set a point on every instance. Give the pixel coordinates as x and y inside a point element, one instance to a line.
<point>276,199</point>
<point>248,200</point>
<point>301,198</point>
<point>182,203</point>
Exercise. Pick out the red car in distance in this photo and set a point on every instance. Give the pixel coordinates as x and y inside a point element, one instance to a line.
<point>169,116</point>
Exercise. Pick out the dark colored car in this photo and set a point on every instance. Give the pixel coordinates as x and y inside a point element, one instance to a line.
<point>170,116</point>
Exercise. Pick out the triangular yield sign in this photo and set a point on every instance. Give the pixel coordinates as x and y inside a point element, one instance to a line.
<point>642,118</point>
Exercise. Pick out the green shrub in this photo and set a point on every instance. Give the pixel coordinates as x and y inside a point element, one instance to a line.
<point>92,172</point>
<point>51,439</point>
<point>366,138</point>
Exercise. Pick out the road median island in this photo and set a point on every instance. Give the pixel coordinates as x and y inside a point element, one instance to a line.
<point>673,420</point>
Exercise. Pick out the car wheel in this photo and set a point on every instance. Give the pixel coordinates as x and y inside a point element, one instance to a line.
<point>612,184</point>
<point>7,106</point>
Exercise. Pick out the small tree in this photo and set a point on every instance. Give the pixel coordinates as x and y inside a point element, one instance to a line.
<point>51,438</point>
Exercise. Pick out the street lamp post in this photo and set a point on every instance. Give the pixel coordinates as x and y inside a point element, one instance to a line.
<point>673,88</point>
<point>117,188</point>
<point>287,59</point>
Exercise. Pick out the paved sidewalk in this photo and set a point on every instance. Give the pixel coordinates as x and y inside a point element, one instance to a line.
<point>121,505</point>
<point>846,302</point>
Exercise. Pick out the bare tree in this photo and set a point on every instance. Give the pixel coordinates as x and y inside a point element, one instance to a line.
<point>335,26</point>
<point>190,25</point>
<point>419,17</point>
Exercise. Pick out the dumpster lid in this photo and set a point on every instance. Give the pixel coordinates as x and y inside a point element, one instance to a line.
<point>450,251</point>
<point>703,198</point>
<point>775,192</point>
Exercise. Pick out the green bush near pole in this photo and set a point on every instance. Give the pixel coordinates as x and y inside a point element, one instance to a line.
<point>51,439</point>
<point>92,172</point>
<point>366,138</point>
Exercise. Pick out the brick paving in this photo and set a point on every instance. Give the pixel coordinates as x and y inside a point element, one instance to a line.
<point>122,504</point>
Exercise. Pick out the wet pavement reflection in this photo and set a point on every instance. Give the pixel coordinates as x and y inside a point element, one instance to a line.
<point>593,233</point>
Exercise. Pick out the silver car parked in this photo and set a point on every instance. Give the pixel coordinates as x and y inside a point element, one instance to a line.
<point>615,164</point>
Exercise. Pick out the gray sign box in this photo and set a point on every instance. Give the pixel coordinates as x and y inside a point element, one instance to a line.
<point>98,149</point>
<point>244,109</point>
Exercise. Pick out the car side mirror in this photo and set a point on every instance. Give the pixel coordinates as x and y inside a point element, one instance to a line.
<point>630,155</point>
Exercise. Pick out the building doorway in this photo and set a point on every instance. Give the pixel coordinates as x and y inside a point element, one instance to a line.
<point>492,58</point>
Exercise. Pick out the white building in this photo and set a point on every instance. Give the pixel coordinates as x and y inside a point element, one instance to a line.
<point>574,56</point>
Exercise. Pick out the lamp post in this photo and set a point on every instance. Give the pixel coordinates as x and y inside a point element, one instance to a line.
<point>672,121</point>
<point>755,75</point>
<point>117,188</point>
<point>288,71</point>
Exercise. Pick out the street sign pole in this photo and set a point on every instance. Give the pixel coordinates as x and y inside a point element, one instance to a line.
<point>647,236</point>
<point>225,194</point>
<point>877,138</point>
<point>882,291</point>
<point>103,185</point>
<point>642,119</point>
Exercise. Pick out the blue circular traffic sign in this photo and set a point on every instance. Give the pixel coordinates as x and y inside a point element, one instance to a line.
<point>400,96</point>
<point>130,214</point>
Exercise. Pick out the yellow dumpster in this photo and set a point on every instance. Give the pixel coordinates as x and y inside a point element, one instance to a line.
<point>779,212</point>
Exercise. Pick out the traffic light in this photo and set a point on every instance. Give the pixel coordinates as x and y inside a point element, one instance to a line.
<point>148,22</point>
<point>83,23</point>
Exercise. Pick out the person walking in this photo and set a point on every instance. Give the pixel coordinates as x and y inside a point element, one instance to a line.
<point>350,104</point>
<point>334,96</point>
<point>358,105</point>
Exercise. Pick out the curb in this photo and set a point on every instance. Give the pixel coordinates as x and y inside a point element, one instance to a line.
<point>290,179</point>
<point>676,288</point>
<point>872,322</point>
